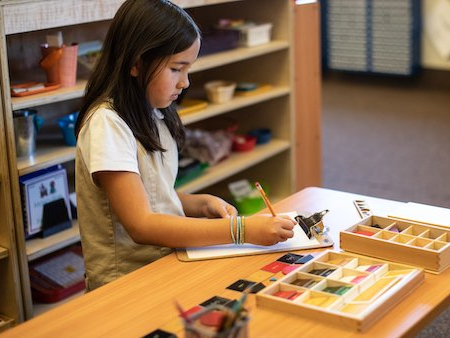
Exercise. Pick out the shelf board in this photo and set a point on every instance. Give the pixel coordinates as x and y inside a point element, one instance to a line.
<point>45,157</point>
<point>48,155</point>
<point>234,164</point>
<point>237,54</point>
<point>200,3</point>
<point>40,308</point>
<point>30,15</point>
<point>5,323</point>
<point>57,95</point>
<point>38,247</point>
<point>236,103</point>
<point>203,63</point>
<point>3,253</point>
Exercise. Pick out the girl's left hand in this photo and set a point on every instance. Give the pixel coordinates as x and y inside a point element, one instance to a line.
<point>215,207</point>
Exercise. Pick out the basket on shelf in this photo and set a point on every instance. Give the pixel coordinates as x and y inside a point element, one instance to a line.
<point>220,91</point>
<point>255,34</point>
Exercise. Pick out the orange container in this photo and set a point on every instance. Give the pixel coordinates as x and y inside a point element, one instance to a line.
<point>60,64</point>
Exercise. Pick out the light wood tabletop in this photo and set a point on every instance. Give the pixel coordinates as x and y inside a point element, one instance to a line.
<point>143,301</point>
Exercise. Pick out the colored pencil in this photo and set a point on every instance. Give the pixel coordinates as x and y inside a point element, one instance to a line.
<point>266,200</point>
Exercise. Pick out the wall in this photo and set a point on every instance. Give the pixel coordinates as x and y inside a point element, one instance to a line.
<point>430,57</point>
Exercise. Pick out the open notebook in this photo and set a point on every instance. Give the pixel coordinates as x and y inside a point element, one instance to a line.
<point>298,242</point>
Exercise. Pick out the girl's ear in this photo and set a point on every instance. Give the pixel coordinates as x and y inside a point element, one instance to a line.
<point>134,71</point>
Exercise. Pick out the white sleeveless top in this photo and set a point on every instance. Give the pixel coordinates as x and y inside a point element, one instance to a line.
<point>106,143</point>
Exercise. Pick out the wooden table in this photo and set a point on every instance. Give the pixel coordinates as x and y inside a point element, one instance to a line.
<point>143,300</point>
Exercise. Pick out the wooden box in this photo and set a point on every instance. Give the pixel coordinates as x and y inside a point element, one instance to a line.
<point>406,242</point>
<point>342,288</point>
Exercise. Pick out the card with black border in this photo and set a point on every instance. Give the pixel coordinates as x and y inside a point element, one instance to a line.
<point>216,300</point>
<point>289,258</point>
<point>243,284</point>
<point>304,259</point>
<point>257,287</point>
<point>160,334</point>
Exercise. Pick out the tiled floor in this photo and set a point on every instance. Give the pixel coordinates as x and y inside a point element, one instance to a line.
<point>389,137</point>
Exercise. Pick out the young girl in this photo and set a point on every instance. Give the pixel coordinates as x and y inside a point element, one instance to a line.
<point>127,151</point>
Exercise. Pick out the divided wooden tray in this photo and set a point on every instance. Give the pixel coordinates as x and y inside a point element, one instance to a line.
<point>406,242</point>
<point>342,288</point>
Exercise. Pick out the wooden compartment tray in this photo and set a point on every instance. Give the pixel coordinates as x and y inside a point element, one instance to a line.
<point>342,288</point>
<point>400,241</point>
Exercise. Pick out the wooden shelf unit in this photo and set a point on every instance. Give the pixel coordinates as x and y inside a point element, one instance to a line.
<point>11,308</point>
<point>24,26</point>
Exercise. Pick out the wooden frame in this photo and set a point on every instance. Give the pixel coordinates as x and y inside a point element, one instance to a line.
<point>407,242</point>
<point>369,288</point>
<point>11,307</point>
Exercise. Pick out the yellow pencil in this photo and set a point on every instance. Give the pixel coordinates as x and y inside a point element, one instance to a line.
<point>266,200</point>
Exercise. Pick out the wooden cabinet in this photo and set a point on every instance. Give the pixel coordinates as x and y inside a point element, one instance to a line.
<point>11,310</point>
<point>25,24</point>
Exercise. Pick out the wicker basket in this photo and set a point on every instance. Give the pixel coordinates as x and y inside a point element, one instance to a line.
<point>220,91</point>
<point>253,35</point>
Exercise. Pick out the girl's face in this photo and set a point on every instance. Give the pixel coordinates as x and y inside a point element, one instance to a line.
<point>172,77</point>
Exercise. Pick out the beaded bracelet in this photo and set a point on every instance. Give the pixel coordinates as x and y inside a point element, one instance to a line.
<point>238,229</point>
<point>239,238</point>
<point>242,239</point>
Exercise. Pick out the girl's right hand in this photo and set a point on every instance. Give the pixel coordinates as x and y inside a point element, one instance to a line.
<point>268,230</point>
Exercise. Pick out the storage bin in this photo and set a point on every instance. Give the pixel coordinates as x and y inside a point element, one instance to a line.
<point>244,142</point>
<point>253,35</point>
<point>218,40</point>
<point>220,91</point>
<point>67,126</point>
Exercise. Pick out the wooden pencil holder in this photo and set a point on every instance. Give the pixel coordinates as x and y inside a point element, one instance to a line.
<point>207,323</point>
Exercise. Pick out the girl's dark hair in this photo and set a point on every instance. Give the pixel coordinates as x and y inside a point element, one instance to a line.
<point>146,32</point>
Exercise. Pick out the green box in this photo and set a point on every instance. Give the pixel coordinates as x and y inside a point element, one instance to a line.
<point>249,205</point>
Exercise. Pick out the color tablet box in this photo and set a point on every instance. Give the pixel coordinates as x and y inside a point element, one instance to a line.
<point>357,292</point>
<point>418,244</point>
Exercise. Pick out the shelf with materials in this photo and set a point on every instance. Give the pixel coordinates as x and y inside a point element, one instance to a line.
<point>39,247</point>
<point>48,155</point>
<point>235,163</point>
<point>57,95</point>
<point>203,63</point>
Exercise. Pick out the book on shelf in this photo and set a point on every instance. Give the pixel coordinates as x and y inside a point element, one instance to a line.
<point>45,199</point>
